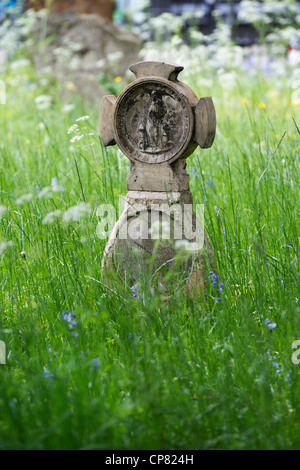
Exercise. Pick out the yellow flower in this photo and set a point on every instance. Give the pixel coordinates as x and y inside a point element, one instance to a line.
<point>261,105</point>
<point>118,79</point>
<point>27,142</point>
<point>9,136</point>
<point>276,136</point>
<point>244,100</point>
<point>70,86</point>
<point>91,78</point>
<point>297,149</point>
<point>294,103</point>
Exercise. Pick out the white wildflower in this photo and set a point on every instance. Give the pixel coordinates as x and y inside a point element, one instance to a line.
<point>67,108</point>
<point>24,198</point>
<point>83,118</point>
<point>2,210</point>
<point>75,213</point>
<point>51,216</point>
<point>75,138</point>
<point>73,128</point>
<point>43,101</point>
<point>17,64</point>
<point>5,245</point>
<point>55,186</point>
<point>45,193</point>
<point>40,126</point>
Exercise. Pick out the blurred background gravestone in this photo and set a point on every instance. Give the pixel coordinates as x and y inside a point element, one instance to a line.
<point>81,44</point>
<point>103,8</point>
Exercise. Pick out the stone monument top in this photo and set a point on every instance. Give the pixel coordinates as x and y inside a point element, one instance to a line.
<point>157,121</point>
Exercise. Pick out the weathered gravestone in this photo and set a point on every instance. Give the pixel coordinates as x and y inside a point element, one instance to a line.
<point>157,122</point>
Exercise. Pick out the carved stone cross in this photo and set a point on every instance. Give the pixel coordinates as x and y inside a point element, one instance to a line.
<point>157,122</point>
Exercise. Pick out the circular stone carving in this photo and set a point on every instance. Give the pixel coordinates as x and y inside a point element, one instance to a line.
<point>153,122</point>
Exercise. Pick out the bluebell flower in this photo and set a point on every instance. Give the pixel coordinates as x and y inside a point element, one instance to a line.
<point>135,291</point>
<point>37,188</point>
<point>214,282</point>
<point>267,321</point>
<point>210,183</point>
<point>130,336</point>
<point>194,172</point>
<point>68,317</point>
<point>217,210</point>
<point>272,325</point>
<point>96,363</point>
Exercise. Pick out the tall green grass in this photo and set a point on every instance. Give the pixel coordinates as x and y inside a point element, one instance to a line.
<point>139,373</point>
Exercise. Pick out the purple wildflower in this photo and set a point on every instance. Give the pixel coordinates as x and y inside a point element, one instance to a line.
<point>68,317</point>
<point>130,336</point>
<point>135,291</point>
<point>96,363</point>
<point>214,282</point>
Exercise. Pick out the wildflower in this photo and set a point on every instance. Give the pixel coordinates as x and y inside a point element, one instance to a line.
<point>73,128</point>
<point>244,100</point>
<point>214,282</point>
<point>130,336</point>
<point>9,136</point>
<point>75,213</point>
<point>261,105</point>
<point>135,290</point>
<point>96,363</point>
<point>83,118</point>
<point>55,186</point>
<point>272,325</point>
<point>2,210</point>
<point>294,103</point>
<point>71,86</point>
<point>68,317</point>
<point>75,138</point>
<point>67,108</point>
<point>51,216</point>
<point>43,102</point>
<point>194,174</point>
<point>37,188</point>
<point>24,198</point>
<point>117,79</point>
<point>4,246</point>
<point>45,193</point>
<point>217,210</point>
<point>91,77</point>
<point>210,183</point>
